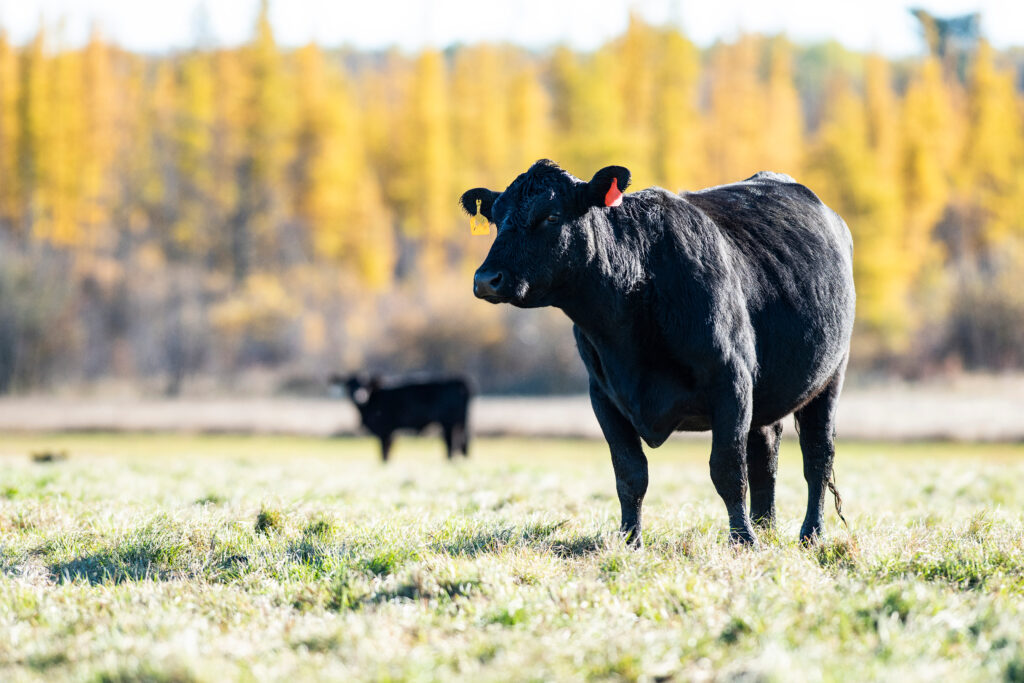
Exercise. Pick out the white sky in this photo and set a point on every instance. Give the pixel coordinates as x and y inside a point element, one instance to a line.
<point>156,26</point>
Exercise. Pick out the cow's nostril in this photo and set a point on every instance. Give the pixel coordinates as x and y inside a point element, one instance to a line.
<point>487,282</point>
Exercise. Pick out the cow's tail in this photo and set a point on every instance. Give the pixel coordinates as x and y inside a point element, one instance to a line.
<point>836,497</point>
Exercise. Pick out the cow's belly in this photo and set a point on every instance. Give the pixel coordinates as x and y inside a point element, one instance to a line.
<point>657,400</point>
<point>656,404</point>
<point>663,398</point>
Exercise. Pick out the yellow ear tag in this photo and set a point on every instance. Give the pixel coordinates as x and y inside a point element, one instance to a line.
<point>478,223</point>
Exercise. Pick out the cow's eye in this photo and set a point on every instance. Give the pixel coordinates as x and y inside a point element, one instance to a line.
<point>553,218</point>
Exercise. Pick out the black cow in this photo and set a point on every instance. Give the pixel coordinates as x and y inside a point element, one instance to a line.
<point>724,309</point>
<point>411,407</point>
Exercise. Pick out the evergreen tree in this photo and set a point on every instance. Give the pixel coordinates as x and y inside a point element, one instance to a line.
<point>590,113</point>
<point>678,153</point>
<point>529,118</point>
<point>268,129</point>
<point>339,196</point>
<point>194,141</point>
<point>480,109</point>
<point>737,112</point>
<point>635,56</point>
<point>993,152</point>
<point>882,118</point>
<point>783,132</point>
<point>65,153</point>
<point>35,137</point>
<point>930,134</point>
<point>385,94</point>
<point>227,165</point>
<point>430,160</point>
<point>159,193</point>
<point>10,199</point>
<point>99,140</point>
<point>845,173</point>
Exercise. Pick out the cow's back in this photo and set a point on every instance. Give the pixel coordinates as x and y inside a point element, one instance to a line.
<point>781,235</point>
<point>415,406</point>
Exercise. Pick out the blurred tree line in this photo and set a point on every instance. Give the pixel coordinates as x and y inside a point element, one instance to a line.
<point>222,213</point>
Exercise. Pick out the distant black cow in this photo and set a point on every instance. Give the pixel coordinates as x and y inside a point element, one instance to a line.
<point>411,407</point>
<point>724,309</point>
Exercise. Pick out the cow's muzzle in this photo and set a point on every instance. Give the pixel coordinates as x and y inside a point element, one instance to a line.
<point>488,285</point>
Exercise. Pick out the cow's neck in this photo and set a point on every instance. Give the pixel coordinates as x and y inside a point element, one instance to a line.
<point>601,296</point>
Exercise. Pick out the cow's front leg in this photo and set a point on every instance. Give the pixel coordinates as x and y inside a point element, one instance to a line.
<point>629,462</point>
<point>730,423</point>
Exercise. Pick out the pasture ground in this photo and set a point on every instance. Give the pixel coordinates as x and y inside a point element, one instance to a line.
<point>176,558</point>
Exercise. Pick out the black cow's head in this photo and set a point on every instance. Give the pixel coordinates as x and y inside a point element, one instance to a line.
<point>538,216</point>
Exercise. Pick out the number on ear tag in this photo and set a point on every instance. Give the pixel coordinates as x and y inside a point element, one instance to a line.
<point>478,223</point>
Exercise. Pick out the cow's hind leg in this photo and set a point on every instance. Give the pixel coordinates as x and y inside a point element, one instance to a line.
<point>816,424</point>
<point>762,467</point>
<point>385,446</point>
<point>463,442</point>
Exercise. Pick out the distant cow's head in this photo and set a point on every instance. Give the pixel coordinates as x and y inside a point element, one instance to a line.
<point>538,216</point>
<point>359,388</point>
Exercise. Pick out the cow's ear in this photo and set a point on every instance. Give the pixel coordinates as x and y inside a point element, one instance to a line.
<point>607,186</point>
<point>484,196</point>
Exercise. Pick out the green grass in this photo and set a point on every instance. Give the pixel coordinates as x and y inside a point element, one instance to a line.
<point>172,558</point>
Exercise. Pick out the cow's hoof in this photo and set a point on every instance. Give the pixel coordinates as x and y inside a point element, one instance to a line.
<point>633,538</point>
<point>810,535</point>
<point>762,513</point>
<point>743,536</point>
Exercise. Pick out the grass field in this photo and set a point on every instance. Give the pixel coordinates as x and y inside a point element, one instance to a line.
<point>218,558</point>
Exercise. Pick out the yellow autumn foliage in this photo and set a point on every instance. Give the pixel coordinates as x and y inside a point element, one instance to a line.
<point>251,161</point>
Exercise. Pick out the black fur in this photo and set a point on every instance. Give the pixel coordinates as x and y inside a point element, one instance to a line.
<point>411,407</point>
<point>724,309</point>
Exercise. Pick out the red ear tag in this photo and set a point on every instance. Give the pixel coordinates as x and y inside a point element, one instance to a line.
<point>614,196</point>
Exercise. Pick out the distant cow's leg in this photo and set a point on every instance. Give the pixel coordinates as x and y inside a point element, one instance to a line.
<point>762,466</point>
<point>816,423</point>
<point>730,423</point>
<point>448,432</point>
<point>463,443</point>
<point>629,462</point>
<point>385,446</point>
